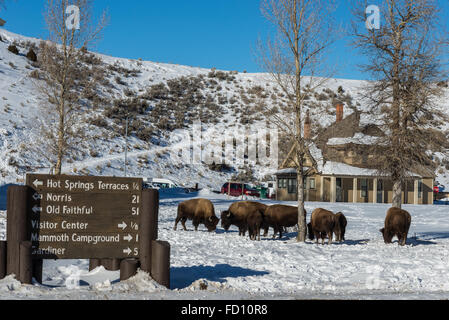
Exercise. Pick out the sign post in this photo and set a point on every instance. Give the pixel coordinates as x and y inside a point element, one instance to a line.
<point>79,217</point>
<point>105,219</point>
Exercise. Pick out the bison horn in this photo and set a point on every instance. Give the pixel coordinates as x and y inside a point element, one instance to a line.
<point>210,218</point>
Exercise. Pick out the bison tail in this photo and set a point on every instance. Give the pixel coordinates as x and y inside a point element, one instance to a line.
<point>179,213</point>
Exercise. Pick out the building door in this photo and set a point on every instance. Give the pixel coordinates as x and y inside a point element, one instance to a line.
<point>339,190</point>
<point>380,191</point>
<point>326,189</point>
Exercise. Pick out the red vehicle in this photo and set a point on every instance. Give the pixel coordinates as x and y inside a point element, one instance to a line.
<point>238,189</point>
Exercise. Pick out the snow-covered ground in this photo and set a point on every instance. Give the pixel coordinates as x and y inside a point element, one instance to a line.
<point>233,267</point>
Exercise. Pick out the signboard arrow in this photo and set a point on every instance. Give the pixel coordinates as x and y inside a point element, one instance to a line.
<point>128,238</point>
<point>37,196</point>
<point>37,209</point>
<point>76,217</point>
<point>38,183</point>
<point>122,225</point>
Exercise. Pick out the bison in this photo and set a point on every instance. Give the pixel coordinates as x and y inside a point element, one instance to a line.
<point>340,226</point>
<point>322,224</point>
<point>279,217</point>
<point>198,210</point>
<point>254,221</point>
<point>238,214</point>
<point>397,223</point>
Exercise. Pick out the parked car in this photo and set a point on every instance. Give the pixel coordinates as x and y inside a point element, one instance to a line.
<point>149,185</point>
<point>238,189</point>
<point>157,183</point>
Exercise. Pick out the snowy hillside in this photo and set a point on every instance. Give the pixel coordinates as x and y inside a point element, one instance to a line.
<point>165,99</point>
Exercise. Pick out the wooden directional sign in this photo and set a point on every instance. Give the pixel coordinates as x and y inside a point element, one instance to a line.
<point>77,217</point>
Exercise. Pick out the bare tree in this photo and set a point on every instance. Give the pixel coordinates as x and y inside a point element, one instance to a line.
<point>64,73</point>
<point>405,61</point>
<point>304,30</point>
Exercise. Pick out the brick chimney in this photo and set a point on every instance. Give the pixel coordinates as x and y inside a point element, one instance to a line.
<point>340,110</point>
<point>307,126</point>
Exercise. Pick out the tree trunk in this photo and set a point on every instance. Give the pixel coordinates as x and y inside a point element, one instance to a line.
<point>397,194</point>
<point>302,230</point>
<point>58,167</point>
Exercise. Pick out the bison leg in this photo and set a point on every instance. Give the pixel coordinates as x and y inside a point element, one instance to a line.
<point>265,231</point>
<point>330,235</point>
<point>338,237</point>
<point>196,223</point>
<point>317,236</point>
<point>280,232</point>
<point>402,237</point>
<point>183,222</point>
<point>251,233</point>
<point>176,223</point>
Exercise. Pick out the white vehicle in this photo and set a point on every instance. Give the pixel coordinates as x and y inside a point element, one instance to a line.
<point>164,183</point>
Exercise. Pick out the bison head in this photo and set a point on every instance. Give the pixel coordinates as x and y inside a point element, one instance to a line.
<point>387,236</point>
<point>211,223</point>
<point>226,220</point>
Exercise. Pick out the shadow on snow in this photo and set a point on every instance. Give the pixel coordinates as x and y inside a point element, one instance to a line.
<point>182,277</point>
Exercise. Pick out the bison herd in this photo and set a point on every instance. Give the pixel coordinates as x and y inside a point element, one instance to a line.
<point>254,216</point>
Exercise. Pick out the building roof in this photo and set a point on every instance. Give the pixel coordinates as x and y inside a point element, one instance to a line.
<point>358,138</point>
<point>351,134</point>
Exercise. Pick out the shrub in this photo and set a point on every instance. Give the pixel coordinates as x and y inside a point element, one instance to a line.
<point>35,74</point>
<point>222,167</point>
<point>12,48</point>
<point>31,55</point>
<point>119,80</point>
<point>99,122</point>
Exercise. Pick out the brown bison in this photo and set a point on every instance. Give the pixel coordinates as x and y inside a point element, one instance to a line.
<point>397,223</point>
<point>254,221</point>
<point>340,226</point>
<point>198,210</point>
<point>322,224</point>
<point>238,214</point>
<point>279,217</point>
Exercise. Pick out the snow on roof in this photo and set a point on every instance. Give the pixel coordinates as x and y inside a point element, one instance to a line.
<point>337,168</point>
<point>286,171</point>
<point>333,168</point>
<point>358,138</point>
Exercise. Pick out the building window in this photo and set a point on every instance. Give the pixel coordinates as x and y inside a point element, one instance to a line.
<point>282,183</point>
<point>292,186</point>
<point>363,188</point>
<point>312,185</point>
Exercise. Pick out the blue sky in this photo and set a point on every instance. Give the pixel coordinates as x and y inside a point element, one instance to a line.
<point>199,33</point>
